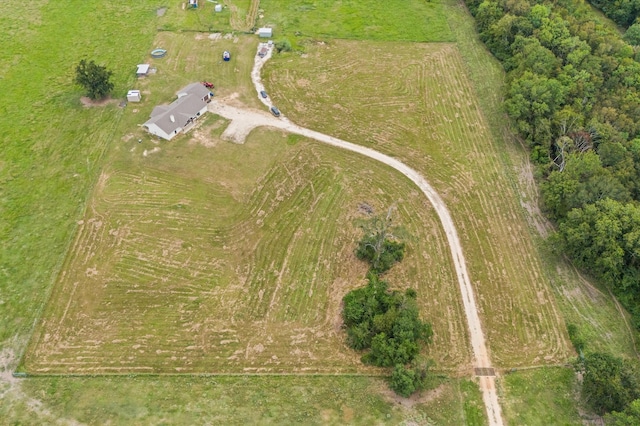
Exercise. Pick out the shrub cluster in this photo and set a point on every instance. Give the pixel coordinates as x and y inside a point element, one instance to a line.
<point>387,326</point>
<point>385,323</point>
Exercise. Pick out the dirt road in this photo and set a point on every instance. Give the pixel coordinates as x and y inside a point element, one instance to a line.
<point>244,120</point>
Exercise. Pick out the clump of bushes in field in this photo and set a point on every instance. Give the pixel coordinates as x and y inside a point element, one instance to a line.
<point>610,384</point>
<point>386,323</point>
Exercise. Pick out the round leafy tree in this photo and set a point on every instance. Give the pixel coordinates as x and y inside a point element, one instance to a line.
<point>96,79</point>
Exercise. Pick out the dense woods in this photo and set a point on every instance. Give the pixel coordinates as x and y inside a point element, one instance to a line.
<point>573,92</point>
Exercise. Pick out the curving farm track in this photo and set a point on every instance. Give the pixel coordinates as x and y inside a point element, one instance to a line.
<point>244,120</point>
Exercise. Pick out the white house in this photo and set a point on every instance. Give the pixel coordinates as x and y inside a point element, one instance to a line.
<point>168,120</point>
<point>265,32</point>
<point>143,70</point>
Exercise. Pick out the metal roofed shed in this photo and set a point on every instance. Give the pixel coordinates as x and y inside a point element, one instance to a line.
<point>265,32</point>
<point>143,70</point>
<point>134,96</point>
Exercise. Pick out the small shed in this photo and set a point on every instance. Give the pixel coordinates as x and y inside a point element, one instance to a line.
<point>218,8</point>
<point>134,96</point>
<point>143,70</point>
<point>265,32</point>
<point>193,3</point>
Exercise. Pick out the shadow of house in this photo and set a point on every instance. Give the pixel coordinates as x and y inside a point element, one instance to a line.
<point>168,120</point>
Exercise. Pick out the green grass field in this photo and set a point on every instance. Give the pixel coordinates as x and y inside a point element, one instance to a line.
<point>394,20</point>
<point>541,397</point>
<point>164,244</point>
<point>415,102</point>
<point>236,15</point>
<point>209,259</point>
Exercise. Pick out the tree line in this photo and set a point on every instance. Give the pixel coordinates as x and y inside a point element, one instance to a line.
<point>573,92</point>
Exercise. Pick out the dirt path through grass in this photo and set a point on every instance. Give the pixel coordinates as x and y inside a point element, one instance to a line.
<point>244,120</point>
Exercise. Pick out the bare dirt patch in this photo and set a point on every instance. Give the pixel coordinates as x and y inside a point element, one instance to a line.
<point>90,103</point>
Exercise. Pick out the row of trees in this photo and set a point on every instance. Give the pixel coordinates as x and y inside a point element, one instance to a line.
<point>383,323</point>
<point>573,91</point>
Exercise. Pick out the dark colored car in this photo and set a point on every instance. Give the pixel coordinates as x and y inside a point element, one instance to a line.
<point>275,111</point>
<point>263,94</point>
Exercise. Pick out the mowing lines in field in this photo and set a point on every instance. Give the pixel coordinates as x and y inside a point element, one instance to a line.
<point>509,262</point>
<point>184,265</point>
<point>414,102</point>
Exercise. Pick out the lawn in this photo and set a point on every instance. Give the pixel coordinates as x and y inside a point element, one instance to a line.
<point>232,258</point>
<point>52,147</point>
<point>236,15</point>
<point>393,20</point>
<point>540,397</point>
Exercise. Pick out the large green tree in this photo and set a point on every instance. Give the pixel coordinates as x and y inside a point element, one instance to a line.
<point>604,238</point>
<point>583,180</point>
<point>609,383</point>
<point>381,245</point>
<point>96,79</point>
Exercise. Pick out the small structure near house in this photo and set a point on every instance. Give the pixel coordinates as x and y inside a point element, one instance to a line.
<point>142,71</point>
<point>226,56</point>
<point>134,96</point>
<point>193,4</point>
<point>265,32</point>
<point>158,53</point>
<point>218,8</point>
<point>168,120</point>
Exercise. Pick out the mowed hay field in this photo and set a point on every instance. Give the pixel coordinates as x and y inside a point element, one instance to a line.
<point>415,102</point>
<point>232,258</point>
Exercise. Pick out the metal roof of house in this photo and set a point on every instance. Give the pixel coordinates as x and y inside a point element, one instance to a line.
<point>189,103</point>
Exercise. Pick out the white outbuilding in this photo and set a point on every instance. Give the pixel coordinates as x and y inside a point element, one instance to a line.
<point>134,96</point>
<point>143,70</point>
<point>218,8</point>
<point>265,32</point>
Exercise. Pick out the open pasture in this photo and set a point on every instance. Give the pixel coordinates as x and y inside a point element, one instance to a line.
<point>232,259</point>
<point>393,20</point>
<point>415,102</point>
<point>236,15</point>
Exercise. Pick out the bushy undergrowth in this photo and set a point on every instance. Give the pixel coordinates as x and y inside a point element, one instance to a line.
<point>385,323</point>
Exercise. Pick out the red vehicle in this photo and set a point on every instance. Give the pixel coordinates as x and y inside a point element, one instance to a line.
<point>208,85</point>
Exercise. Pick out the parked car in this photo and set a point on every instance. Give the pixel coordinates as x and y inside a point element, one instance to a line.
<point>275,111</point>
<point>263,94</point>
